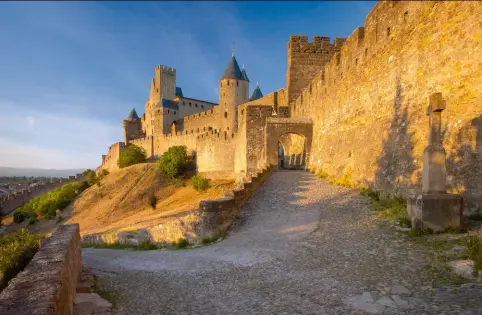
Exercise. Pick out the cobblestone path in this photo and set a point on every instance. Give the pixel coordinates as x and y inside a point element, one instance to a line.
<point>303,246</point>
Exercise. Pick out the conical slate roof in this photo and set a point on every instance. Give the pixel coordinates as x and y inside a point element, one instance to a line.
<point>256,93</point>
<point>133,114</point>
<point>232,70</point>
<point>244,75</point>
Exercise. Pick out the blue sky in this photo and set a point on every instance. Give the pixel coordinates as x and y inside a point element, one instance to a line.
<point>71,71</point>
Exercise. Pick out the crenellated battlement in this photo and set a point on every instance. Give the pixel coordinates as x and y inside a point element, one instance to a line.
<point>166,69</point>
<point>220,135</point>
<point>200,115</point>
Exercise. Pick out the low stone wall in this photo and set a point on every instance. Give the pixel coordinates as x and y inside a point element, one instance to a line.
<point>47,286</point>
<point>211,220</point>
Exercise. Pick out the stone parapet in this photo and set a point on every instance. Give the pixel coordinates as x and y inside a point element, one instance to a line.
<point>47,286</point>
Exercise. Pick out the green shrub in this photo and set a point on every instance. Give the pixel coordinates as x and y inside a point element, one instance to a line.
<point>200,183</point>
<point>16,250</point>
<point>473,248</point>
<point>181,243</point>
<point>322,174</point>
<point>131,155</point>
<point>152,201</point>
<point>47,204</point>
<point>174,162</point>
<point>92,178</point>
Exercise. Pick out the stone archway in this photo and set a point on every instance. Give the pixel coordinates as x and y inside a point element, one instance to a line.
<point>277,131</point>
<point>292,151</point>
<point>174,127</point>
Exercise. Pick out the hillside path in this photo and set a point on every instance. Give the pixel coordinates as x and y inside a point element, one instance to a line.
<point>302,246</point>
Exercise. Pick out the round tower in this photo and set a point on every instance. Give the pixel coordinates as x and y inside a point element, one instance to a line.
<point>233,91</point>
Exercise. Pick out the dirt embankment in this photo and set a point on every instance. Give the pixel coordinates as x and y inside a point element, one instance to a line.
<point>122,200</point>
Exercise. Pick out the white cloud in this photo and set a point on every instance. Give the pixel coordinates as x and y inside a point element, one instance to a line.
<point>30,138</point>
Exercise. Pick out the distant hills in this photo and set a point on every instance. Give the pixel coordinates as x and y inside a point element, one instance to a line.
<point>37,172</point>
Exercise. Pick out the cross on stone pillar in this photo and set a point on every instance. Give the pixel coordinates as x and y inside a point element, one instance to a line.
<point>434,208</point>
<point>434,170</point>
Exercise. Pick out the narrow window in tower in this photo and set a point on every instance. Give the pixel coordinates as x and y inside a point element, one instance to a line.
<point>405,16</point>
<point>388,32</point>
<point>195,104</point>
<point>225,114</point>
<point>228,82</point>
<point>190,104</point>
<point>202,106</point>
<point>168,111</point>
<point>237,83</point>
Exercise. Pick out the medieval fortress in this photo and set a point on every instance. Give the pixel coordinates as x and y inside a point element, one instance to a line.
<point>354,108</point>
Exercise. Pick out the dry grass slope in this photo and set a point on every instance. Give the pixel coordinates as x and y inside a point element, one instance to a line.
<point>122,200</point>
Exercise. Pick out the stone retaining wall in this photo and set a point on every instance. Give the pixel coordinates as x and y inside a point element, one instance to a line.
<point>47,286</point>
<point>211,220</point>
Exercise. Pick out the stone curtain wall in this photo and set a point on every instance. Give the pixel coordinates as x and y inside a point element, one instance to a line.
<point>215,154</point>
<point>369,103</point>
<point>10,203</point>
<point>276,99</point>
<point>109,161</point>
<point>47,286</point>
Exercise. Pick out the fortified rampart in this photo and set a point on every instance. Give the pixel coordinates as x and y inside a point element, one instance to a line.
<point>200,122</point>
<point>109,160</point>
<point>47,286</point>
<point>368,105</point>
<point>276,99</point>
<point>215,154</point>
<point>13,201</point>
<point>306,59</point>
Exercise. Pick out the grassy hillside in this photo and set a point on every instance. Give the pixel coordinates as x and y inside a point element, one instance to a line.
<point>122,200</point>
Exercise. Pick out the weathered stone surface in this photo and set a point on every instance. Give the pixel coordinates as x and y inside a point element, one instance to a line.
<point>435,211</point>
<point>47,286</point>
<point>463,268</point>
<point>90,303</point>
<point>399,289</point>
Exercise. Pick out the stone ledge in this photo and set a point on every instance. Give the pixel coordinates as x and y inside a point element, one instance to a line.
<point>47,286</point>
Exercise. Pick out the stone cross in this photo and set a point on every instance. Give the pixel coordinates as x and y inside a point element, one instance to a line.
<point>434,171</point>
<point>434,110</point>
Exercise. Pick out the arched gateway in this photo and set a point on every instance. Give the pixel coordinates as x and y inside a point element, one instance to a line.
<point>295,136</point>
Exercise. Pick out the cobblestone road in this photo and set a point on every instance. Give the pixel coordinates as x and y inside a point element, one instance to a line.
<point>303,246</point>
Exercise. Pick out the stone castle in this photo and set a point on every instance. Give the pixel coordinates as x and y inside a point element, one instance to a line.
<point>354,108</point>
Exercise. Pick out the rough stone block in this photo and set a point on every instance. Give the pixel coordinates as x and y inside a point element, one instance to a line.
<point>435,211</point>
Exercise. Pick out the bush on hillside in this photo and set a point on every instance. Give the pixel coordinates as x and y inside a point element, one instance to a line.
<point>174,162</point>
<point>131,155</point>
<point>199,183</point>
<point>92,178</point>
<point>152,201</point>
<point>16,251</point>
<point>87,171</point>
<point>47,204</point>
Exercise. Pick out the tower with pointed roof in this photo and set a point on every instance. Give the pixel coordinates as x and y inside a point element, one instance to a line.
<point>233,91</point>
<point>132,127</point>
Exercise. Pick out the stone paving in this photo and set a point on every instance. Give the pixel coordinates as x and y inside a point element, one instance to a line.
<point>301,246</point>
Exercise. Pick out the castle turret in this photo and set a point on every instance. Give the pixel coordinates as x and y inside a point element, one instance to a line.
<point>132,127</point>
<point>257,94</point>
<point>233,91</point>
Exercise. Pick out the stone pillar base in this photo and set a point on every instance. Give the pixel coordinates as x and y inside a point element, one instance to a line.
<point>436,212</point>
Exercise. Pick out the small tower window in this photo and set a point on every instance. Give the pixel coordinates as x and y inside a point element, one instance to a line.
<point>225,114</point>
<point>405,16</point>
<point>202,106</point>
<point>228,82</point>
<point>183,103</point>
<point>168,111</point>
<point>190,104</point>
<point>237,83</point>
<point>195,104</point>
<point>388,32</point>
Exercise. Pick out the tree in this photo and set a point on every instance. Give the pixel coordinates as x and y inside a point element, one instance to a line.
<point>131,155</point>
<point>174,162</point>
